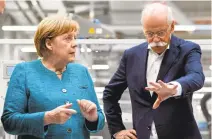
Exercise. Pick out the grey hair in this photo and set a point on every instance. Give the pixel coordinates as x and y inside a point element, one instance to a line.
<point>150,8</point>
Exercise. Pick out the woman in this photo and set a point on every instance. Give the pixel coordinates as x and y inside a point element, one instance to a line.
<point>52,98</point>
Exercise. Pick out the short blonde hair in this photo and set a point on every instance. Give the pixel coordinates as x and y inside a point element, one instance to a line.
<point>51,27</point>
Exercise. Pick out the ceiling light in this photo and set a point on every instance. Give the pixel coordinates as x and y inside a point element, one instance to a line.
<point>198,96</point>
<point>210,67</point>
<point>185,28</point>
<point>89,50</point>
<point>205,43</point>
<point>28,49</point>
<point>16,41</point>
<point>204,90</point>
<point>208,79</point>
<point>100,67</point>
<point>99,89</point>
<point>82,50</point>
<point>19,28</point>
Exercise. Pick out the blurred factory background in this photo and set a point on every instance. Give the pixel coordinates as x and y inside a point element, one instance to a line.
<point>107,28</point>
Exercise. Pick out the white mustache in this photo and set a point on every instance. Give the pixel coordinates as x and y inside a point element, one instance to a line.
<point>160,44</point>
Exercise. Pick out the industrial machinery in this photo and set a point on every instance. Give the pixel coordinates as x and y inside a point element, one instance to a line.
<point>6,69</point>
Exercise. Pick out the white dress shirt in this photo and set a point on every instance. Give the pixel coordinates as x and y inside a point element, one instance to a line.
<point>153,67</point>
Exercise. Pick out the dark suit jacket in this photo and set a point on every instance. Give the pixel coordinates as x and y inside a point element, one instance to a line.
<point>174,117</point>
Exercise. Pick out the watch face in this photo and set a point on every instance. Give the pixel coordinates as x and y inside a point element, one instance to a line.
<point>2,5</point>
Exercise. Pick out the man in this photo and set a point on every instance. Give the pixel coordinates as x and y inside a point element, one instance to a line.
<point>161,75</point>
<point>2,5</point>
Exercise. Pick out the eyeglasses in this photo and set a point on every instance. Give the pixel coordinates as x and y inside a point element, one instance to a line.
<point>159,34</point>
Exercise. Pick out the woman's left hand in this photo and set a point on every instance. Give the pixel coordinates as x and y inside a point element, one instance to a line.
<point>88,110</point>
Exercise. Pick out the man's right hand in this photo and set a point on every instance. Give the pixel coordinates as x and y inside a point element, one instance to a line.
<point>59,115</point>
<point>126,134</point>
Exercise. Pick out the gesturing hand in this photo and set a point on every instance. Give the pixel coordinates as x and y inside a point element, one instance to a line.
<point>163,90</point>
<point>88,109</point>
<point>59,115</point>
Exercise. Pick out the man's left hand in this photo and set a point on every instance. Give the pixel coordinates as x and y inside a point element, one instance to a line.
<point>88,110</point>
<point>163,90</point>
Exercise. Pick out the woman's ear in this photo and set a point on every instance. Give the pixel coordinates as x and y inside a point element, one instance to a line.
<point>48,44</point>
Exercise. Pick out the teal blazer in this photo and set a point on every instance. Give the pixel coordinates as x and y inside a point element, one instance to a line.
<point>33,90</point>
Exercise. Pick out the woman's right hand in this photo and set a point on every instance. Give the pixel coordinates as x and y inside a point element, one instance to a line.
<point>59,115</point>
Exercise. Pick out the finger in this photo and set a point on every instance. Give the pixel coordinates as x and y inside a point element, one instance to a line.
<point>79,102</point>
<point>157,103</point>
<point>119,135</point>
<point>67,116</point>
<point>151,89</point>
<point>175,87</point>
<point>68,105</point>
<point>68,111</point>
<point>92,107</point>
<point>162,84</point>
<point>131,135</point>
<point>133,131</point>
<point>80,105</point>
<point>88,105</point>
<point>126,137</point>
<point>84,104</point>
<point>156,85</point>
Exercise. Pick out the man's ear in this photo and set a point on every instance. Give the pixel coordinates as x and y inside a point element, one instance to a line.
<point>172,26</point>
<point>48,44</point>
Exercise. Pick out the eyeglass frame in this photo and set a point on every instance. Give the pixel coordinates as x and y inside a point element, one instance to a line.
<point>156,33</point>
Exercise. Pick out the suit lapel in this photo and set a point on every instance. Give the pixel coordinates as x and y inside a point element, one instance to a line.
<point>143,56</point>
<point>169,58</point>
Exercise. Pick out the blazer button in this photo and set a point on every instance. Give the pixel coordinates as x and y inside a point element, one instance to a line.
<point>69,130</point>
<point>149,127</point>
<point>64,90</point>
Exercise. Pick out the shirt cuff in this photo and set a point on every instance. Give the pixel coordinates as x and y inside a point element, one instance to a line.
<point>114,136</point>
<point>179,88</point>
